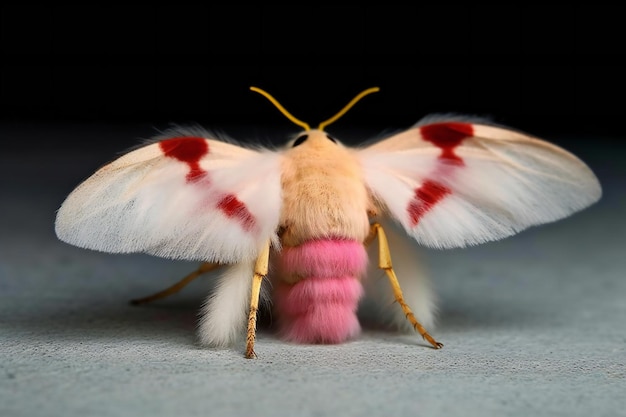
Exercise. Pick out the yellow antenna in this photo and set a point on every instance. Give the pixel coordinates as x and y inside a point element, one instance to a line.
<point>348,106</point>
<point>281,108</point>
<point>324,123</point>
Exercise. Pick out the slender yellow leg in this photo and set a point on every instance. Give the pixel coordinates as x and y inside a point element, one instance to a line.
<point>384,263</point>
<point>205,267</point>
<point>260,271</point>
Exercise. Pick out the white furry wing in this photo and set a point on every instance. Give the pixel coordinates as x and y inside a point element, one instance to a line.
<point>453,183</point>
<point>183,197</point>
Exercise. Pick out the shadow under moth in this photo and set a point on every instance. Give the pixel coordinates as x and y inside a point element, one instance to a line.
<point>303,216</point>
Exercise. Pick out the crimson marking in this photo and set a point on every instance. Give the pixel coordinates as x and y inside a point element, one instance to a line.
<point>447,136</point>
<point>232,207</point>
<point>188,150</point>
<point>426,197</point>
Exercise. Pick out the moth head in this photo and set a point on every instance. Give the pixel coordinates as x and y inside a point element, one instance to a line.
<point>314,137</point>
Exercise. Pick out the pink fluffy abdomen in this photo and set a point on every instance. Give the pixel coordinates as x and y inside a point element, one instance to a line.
<point>321,306</point>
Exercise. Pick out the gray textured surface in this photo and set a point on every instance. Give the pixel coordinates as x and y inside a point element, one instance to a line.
<point>532,325</point>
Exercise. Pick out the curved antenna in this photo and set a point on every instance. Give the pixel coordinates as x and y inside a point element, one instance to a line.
<point>281,108</point>
<point>348,106</point>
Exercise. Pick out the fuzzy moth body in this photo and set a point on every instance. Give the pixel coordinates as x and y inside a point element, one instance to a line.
<point>445,182</point>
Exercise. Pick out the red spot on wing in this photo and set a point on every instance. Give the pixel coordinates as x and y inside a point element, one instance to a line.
<point>188,150</point>
<point>426,197</point>
<point>233,208</point>
<point>447,136</point>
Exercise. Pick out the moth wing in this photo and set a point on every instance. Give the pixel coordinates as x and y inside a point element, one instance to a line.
<point>452,183</point>
<point>183,197</point>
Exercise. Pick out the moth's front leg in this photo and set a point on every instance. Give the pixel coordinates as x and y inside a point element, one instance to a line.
<point>260,271</point>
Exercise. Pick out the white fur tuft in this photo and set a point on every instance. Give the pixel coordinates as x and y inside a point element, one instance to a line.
<point>224,314</point>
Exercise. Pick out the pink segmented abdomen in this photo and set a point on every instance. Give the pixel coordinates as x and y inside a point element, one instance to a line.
<point>321,306</point>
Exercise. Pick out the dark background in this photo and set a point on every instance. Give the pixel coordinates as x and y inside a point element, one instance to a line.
<point>545,68</point>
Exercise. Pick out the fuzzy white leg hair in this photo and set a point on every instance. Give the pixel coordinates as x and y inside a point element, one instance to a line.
<point>225,312</point>
<point>415,284</point>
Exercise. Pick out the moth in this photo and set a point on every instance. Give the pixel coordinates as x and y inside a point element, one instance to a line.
<point>302,217</point>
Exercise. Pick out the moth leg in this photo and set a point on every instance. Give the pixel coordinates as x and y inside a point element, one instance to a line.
<point>371,235</point>
<point>384,263</point>
<point>203,268</point>
<point>260,271</point>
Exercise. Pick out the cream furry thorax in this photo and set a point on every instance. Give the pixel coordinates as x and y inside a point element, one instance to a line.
<point>324,195</point>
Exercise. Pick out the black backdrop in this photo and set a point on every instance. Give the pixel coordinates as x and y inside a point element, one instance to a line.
<point>545,69</point>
